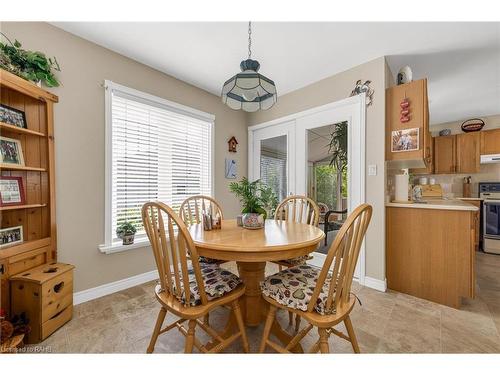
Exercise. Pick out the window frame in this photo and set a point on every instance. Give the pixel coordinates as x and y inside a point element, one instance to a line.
<point>109,246</point>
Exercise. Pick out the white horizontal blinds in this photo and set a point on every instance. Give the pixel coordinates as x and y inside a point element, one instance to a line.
<point>158,155</point>
<point>273,173</point>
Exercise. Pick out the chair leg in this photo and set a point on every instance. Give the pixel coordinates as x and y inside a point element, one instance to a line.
<point>290,318</point>
<point>267,328</point>
<point>206,319</point>
<point>190,337</point>
<point>297,323</point>
<point>326,237</point>
<point>352,335</point>
<point>156,331</point>
<point>241,325</point>
<point>323,340</point>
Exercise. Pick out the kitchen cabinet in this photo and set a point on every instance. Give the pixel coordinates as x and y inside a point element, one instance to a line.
<point>430,253</point>
<point>444,154</point>
<point>490,142</point>
<point>477,220</point>
<point>457,153</point>
<point>468,150</point>
<point>415,93</point>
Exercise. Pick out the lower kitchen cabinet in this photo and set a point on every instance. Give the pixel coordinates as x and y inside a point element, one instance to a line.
<point>430,253</point>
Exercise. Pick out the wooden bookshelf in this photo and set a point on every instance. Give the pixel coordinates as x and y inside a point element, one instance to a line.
<point>37,215</point>
<point>13,167</point>
<point>21,207</point>
<point>17,130</point>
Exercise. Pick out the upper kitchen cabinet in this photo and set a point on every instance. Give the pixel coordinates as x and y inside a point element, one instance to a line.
<point>457,153</point>
<point>490,142</point>
<point>407,108</point>
<point>445,154</point>
<point>468,145</point>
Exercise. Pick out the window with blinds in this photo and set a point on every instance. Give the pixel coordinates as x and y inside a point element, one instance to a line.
<point>158,153</point>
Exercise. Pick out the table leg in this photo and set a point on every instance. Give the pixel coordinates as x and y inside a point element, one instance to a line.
<point>252,274</point>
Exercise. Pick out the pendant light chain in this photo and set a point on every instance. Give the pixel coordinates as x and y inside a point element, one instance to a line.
<point>249,39</point>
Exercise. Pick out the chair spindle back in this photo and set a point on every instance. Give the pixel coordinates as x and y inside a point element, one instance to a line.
<point>173,252</point>
<point>192,209</point>
<point>298,209</point>
<point>342,258</point>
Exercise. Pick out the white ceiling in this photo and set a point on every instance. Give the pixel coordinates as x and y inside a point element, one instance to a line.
<point>461,60</point>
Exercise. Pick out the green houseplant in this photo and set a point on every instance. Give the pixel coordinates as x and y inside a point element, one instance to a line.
<point>126,231</point>
<point>31,65</point>
<point>255,198</point>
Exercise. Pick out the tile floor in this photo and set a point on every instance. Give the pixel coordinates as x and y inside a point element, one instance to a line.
<point>385,323</point>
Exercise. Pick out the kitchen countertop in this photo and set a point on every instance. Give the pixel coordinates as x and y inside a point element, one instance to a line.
<point>470,199</point>
<point>437,204</point>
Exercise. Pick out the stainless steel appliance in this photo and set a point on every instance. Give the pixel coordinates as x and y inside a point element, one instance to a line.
<point>490,192</point>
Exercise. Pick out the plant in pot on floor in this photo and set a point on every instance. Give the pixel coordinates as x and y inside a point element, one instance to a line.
<point>255,198</point>
<point>126,231</point>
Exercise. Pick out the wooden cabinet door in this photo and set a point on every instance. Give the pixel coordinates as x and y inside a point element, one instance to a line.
<point>490,142</point>
<point>416,94</point>
<point>445,154</point>
<point>468,146</point>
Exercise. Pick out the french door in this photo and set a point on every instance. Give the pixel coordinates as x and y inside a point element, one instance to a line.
<point>271,157</point>
<point>279,154</point>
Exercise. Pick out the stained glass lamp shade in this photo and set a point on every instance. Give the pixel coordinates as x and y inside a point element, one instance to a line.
<point>249,90</point>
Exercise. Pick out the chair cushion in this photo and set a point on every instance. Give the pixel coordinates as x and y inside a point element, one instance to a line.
<point>294,286</point>
<point>296,261</point>
<point>217,280</point>
<point>203,259</point>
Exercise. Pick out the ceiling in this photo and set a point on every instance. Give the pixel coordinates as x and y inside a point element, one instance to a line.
<point>460,60</point>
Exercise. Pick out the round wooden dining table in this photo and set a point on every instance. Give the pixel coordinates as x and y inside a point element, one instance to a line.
<point>251,249</point>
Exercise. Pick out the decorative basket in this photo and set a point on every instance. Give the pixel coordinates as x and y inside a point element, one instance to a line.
<point>472,125</point>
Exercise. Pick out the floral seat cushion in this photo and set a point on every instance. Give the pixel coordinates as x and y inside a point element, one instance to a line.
<point>203,259</point>
<point>296,261</point>
<point>294,286</point>
<point>217,280</point>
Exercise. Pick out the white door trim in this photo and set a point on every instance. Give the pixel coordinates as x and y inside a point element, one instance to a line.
<point>352,109</point>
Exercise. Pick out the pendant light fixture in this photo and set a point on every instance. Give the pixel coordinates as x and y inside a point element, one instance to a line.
<point>249,90</point>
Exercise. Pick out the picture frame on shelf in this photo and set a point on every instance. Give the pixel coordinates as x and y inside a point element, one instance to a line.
<point>11,236</point>
<point>11,191</point>
<point>12,116</point>
<point>11,151</point>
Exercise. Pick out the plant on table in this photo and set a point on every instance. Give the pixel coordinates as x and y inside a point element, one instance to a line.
<point>256,199</point>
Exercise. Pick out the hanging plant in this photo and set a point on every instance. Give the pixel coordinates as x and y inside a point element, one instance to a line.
<point>31,65</point>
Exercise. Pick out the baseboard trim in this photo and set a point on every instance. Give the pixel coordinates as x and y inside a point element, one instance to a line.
<point>115,286</point>
<point>380,285</point>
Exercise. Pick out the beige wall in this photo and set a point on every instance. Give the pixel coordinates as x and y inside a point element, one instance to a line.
<point>339,87</point>
<point>79,132</point>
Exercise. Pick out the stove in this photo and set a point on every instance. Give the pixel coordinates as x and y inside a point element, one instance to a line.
<point>490,192</point>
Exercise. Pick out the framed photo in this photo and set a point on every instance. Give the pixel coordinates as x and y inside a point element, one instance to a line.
<point>405,140</point>
<point>12,116</point>
<point>11,191</point>
<point>11,236</point>
<point>230,169</point>
<point>11,151</point>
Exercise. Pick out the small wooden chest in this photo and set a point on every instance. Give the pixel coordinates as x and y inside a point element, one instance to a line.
<point>45,294</point>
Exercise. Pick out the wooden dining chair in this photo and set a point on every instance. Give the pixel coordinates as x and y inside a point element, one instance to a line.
<point>187,288</point>
<point>297,209</point>
<point>191,212</point>
<point>321,296</point>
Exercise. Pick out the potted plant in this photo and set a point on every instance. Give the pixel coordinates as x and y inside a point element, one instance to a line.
<point>31,65</point>
<point>254,197</point>
<point>126,231</point>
